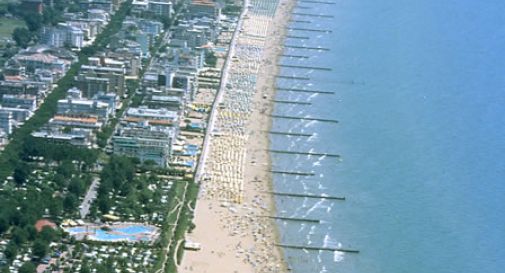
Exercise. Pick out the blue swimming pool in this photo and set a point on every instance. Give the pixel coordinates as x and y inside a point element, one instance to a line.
<point>135,233</point>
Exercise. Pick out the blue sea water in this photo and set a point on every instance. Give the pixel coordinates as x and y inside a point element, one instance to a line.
<point>420,99</point>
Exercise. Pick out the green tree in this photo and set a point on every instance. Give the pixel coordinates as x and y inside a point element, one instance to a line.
<point>31,232</point>
<point>85,268</point>
<point>51,16</point>
<point>21,173</point>
<point>55,206</point>
<point>66,168</point>
<point>22,36</point>
<point>11,251</point>
<point>210,59</point>
<point>19,236</point>
<point>4,225</point>
<point>69,203</point>
<point>48,234</point>
<point>33,21</point>
<point>27,267</point>
<point>76,186</point>
<point>104,204</point>
<point>40,248</point>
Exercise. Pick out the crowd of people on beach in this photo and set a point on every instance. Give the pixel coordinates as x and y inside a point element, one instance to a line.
<point>228,147</point>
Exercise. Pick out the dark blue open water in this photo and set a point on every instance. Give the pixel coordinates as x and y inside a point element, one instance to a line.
<point>420,99</point>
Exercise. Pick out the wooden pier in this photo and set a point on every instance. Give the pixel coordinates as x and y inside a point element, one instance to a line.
<point>303,7</point>
<point>297,37</point>
<point>295,219</point>
<point>307,47</point>
<point>302,153</point>
<point>313,15</point>
<point>293,78</point>
<point>294,56</point>
<point>304,90</point>
<point>292,102</point>
<point>307,195</point>
<point>293,173</point>
<point>306,67</point>
<point>310,29</point>
<point>315,248</point>
<point>305,118</point>
<point>290,134</point>
<point>317,2</point>
<point>300,21</point>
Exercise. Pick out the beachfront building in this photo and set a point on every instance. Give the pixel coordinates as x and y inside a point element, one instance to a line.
<point>28,102</point>
<point>103,5</point>
<point>89,75</point>
<point>6,122</point>
<point>204,8</point>
<point>98,15</point>
<point>62,35</point>
<point>155,117</point>
<point>90,85</point>
<point>24,87</point>
<point>84,107</point>
<point>132,63</point>
<point>195,35</point>
<point>140,6</point>
<point>18,115</point>
<point>56,60</point>
<point>89,122</point>
<point>152,27</point>
<point>161,8</point>
<point>145,142</point>
<point>76,136</point>
<point>172,103</point>
<point>4,139</point>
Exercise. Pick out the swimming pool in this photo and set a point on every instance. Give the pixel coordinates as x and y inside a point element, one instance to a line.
<point>115,233</point>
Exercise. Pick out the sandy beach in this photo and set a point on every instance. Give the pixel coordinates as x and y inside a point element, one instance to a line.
<point>230,215</point>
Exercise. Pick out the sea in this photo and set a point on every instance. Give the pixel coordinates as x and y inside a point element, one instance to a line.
<point>419,96</point>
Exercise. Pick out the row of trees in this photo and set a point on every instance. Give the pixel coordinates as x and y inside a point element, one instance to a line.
<point>20,209</point>
<point>36,147</point>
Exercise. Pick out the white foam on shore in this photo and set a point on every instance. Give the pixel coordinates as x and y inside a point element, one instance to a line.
<point>320,259</point>
<point>338,256</point>
<point>312,96</point>
<point>310,123</point>
<point>314,207</point>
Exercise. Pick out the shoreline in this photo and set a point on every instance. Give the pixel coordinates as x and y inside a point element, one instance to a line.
<point>230,213</point>
<point>267,84</point>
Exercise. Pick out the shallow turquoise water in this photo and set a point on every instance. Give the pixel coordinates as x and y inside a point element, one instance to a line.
<point>420,102</point>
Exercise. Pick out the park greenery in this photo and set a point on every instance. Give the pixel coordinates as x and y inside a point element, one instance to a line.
<point>47,174</point>
<point>55,177</point>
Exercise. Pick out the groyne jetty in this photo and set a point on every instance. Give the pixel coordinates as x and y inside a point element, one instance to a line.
<point>302,153</point>
<point>307,195</point>
<point>292,102</point>
<point>313,15</point>
<point>307,47</point>
<point>295,219</point>
<point>304,90</point>
<point>305,118</point>
<point>290,134</point>
<point>316,248</point>
<point>293,78</point>
<point>305,67</point>
<point>293,173</point>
